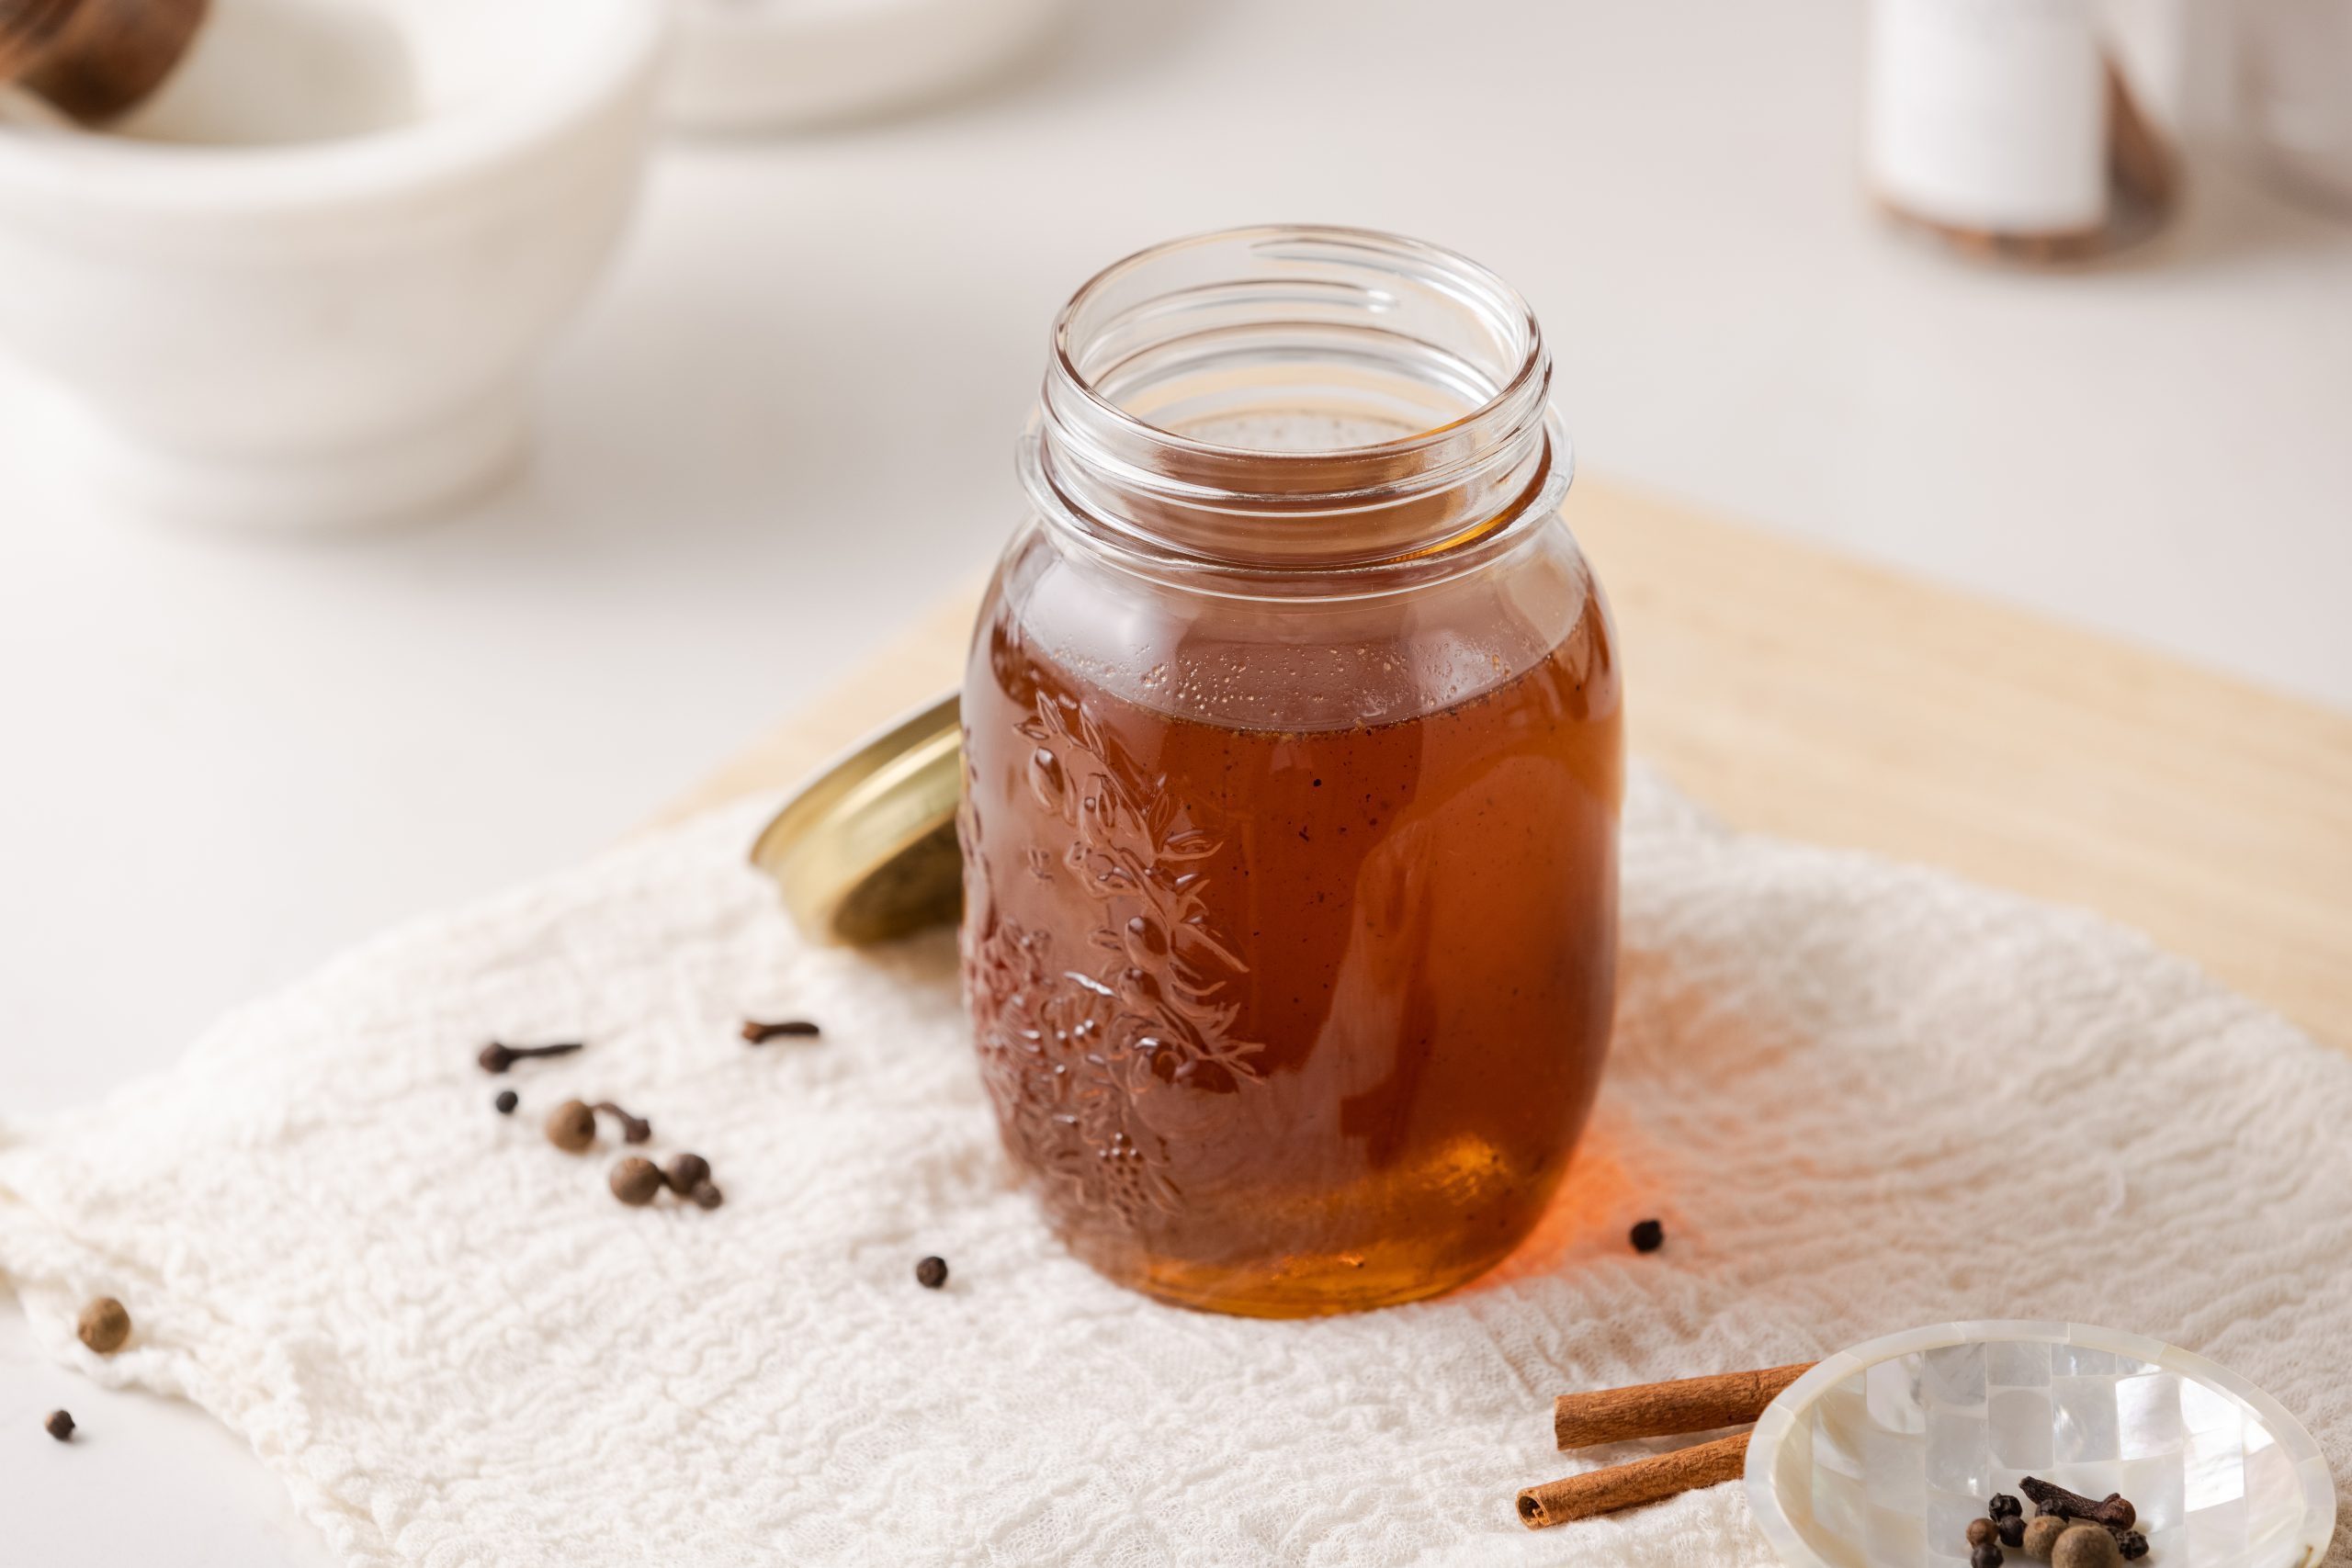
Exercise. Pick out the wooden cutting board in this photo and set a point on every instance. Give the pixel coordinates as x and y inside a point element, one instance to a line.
<point>1799,692</point>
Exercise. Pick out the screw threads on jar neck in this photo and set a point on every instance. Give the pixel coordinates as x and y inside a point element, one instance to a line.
<point>1295,399</point>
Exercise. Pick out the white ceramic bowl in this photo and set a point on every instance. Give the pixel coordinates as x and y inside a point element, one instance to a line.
<point>1880,1455</point>
<point>337,330</point>
<point>774,64</point>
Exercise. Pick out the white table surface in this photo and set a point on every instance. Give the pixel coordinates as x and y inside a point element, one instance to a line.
<point>788,420</point>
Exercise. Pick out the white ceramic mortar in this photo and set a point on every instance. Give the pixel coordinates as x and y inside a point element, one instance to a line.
<point>338,330</point>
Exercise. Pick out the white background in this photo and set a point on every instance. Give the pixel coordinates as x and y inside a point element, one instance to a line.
<point>788,423</point>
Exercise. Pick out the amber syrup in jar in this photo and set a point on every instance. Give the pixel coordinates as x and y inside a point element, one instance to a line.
<point>1290,831</point>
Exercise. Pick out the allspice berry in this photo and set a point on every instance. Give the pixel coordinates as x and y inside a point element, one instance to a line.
<point>571,1126</point>
<point>59,1425</point>
<point>1980,1531</point>
<point>2084,1546</point>
<point>2041,1535</point>
<point>688,1172</point>
<point>104,1326</point>
<point>636,1180</point>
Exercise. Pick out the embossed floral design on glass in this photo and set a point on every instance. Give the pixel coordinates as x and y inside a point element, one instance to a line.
<point>1292,766</point>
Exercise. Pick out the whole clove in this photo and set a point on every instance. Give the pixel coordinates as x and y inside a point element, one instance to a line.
<point>507,1101</point>
<point>2114,1511</point>
<point>60,1426</point>
<point>636,1180</point>
<point>104,1325</point>
<point>932,1273</point>
<point>634,1129</point>
<point>497,1058</point>
<point>571,1126</point>
<point>791,1028</point>
<point>1648,1236</point>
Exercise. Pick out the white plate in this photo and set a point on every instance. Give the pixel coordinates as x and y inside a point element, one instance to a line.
<point>763,64</point>
<point>1880,1455</point>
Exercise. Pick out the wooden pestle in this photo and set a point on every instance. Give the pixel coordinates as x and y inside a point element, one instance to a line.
<point>1660,1409</point>
<point>94,59</point>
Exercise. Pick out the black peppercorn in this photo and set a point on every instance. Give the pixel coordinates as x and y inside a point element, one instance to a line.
<point>688,1172</point>
<point>507,1101</point>
<point>2132,1545</point>
<point>2004,1507</point>
<point>706,1196</point>
<point>932,1273</point>
<point>2010,1527</point>
<point>636,1179</point>
<point>1648,1236</point>
<point>59,1425</point>
<point>1985,1556</point>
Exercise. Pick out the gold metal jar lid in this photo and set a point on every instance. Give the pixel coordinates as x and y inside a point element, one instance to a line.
<point>867,852</point>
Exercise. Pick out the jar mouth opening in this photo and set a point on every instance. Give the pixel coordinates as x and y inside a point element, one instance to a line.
<point>1081,324</point>
<point>1296,396</point>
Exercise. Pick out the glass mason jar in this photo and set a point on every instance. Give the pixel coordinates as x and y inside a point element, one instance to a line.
<point>1291,765</point>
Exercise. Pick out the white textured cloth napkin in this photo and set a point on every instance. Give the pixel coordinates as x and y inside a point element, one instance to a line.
<point>1860,1096</point>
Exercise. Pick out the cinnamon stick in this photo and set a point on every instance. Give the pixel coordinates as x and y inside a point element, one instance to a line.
<point>1629,1485</point>
<point>1657,1409</point>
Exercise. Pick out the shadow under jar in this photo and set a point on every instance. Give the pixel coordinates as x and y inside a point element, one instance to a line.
<point>1292,767</point>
